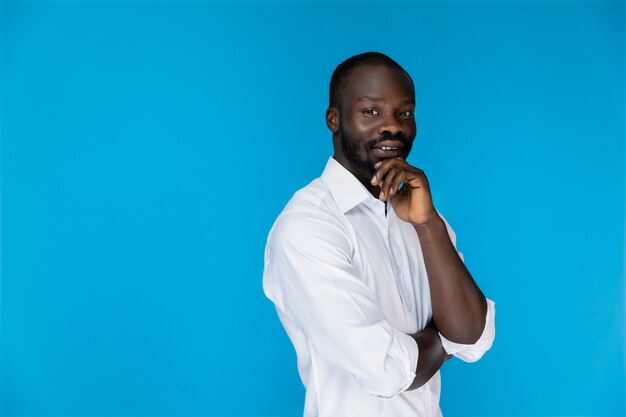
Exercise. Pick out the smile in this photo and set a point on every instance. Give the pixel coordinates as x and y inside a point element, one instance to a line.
<point>383,152</point>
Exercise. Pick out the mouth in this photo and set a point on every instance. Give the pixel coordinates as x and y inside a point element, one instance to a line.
<point>388,149</point>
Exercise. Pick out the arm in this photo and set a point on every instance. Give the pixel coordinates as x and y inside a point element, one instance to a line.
<point>459,307</point>
<point>431,355</point>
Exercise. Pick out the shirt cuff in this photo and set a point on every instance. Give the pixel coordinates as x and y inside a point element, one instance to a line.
<point>473,352</point>
<point>405,352</point>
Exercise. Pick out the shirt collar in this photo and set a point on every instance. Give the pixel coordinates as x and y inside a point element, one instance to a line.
<point>347,191</point>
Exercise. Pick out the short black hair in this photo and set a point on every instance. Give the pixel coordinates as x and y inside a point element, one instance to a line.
<point>340,76</point>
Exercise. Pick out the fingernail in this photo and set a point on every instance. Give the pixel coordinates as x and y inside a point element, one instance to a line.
<point>381,195</point>
<point>373,179</point>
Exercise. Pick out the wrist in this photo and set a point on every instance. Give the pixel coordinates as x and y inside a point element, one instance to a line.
<point>429,223</point>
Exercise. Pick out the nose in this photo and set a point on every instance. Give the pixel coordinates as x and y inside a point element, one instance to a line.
<point>391,124</point>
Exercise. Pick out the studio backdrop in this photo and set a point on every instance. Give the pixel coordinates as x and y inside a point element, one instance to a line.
<point>147,148</point>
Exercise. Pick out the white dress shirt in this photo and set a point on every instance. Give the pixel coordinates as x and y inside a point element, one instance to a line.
<point>349,284</point>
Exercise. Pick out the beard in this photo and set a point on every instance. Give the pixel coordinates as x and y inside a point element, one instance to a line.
<point>358,153</point>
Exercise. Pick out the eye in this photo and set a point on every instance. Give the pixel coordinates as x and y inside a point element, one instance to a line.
<point>406,113</point>
<point>371,112</point>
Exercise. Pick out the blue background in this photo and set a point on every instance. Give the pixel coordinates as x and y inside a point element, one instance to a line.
<point>148,147</point>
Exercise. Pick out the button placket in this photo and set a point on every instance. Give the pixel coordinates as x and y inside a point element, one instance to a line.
<point>401,280</point>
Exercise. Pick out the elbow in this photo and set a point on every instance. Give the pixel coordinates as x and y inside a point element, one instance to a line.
<point>475,352</point>
<point>466,335</point>
<point>472,352</point>
<point>478,324</point>
<point>467,331</point>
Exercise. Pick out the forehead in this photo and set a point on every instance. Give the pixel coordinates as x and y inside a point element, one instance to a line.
<point>379,81</point>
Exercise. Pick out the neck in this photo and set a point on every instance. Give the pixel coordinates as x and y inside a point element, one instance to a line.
<point>363,177</point>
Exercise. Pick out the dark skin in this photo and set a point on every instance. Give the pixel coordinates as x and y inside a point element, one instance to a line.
<point>373,130</point>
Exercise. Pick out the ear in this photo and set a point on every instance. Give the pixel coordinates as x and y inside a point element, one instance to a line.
<point>332,119</point>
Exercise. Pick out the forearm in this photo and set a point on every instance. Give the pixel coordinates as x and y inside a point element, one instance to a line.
<point>431,355</point>
<point>459,307</point>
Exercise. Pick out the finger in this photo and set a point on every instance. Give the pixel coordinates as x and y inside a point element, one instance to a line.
<point>417,180</point>
<point>388,181</point>
<point>382,167</point>
<point>397,182</point>
<point>397,158</point>
<point>394,179</point>
<point>413,178</point>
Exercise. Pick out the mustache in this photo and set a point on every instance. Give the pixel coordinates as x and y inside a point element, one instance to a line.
<point>388,136</point>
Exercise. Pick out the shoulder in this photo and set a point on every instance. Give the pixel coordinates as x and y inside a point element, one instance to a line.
<point>310,217</point>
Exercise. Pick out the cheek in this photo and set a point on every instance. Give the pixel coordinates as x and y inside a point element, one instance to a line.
<point>363,128</point>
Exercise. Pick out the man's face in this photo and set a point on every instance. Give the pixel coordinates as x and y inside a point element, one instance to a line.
<point>375,118</point>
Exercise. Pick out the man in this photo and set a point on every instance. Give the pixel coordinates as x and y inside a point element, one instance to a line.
<point>363,270</point>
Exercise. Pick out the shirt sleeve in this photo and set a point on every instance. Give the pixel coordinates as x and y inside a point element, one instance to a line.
<point>475,351</point>
<point>310,278</point>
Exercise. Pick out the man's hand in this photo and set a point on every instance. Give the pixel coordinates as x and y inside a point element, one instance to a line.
<point>413,202</point>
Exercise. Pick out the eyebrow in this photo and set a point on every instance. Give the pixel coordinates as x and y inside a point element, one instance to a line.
<point>380,99</point>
